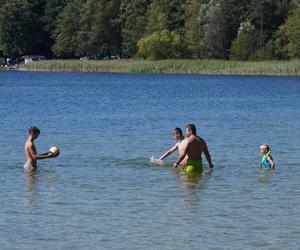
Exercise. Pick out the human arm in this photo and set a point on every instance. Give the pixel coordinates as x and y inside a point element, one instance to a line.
<point>36,156</point>
<point>207,155</point>
<point>45,153</point>
<point>270,159</point>
<point>172,150</point>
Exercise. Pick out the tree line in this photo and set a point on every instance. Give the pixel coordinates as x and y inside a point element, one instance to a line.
<point>155,29</point>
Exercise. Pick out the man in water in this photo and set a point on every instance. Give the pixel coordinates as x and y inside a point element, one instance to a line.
<point>193,149</point>
<point>30,150</point>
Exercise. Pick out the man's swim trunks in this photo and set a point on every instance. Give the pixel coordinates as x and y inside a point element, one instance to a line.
<point>193,166</point>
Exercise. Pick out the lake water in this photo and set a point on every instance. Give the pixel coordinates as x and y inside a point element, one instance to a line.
<point>102,192</point>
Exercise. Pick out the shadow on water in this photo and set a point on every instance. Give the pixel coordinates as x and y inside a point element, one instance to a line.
<point>192,187</point>
<point>265,175</point>
<point>32,181</point>
<point>31,178</point>
<point>195,180</point>
<point>189,180</point>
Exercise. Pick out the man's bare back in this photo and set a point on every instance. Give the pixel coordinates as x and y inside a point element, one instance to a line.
<point>194,148</point>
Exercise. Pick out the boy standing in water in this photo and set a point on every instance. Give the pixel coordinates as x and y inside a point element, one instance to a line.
<point>30,150</point>
<point>177,134</point>
<point>267,161</point>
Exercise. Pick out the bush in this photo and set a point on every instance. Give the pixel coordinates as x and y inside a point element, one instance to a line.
<point>160,45</point>
<point>267,52</point>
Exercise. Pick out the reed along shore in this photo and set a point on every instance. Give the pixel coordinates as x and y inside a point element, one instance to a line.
<point>179,66</point>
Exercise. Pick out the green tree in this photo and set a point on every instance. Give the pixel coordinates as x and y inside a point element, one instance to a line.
<point>165,14</point>
<point>99,28</point>
<point>86,21</point>
<point>51,11</point>
<point>175,10</point>
<point>107,31</point>
<point>41,39</point>
<point>234,12</point>
<point>66,31</point>
<point>244,45</point>
<point>16,21</point>
<point>99,33</point>
<point>192,29</point>
<point>160,45</point>
<point>288,36</point>
<point>157,19</point>
<point>212,43</point>
<point>2,2</point>
<point>133,22</point>
<point>267,16</point>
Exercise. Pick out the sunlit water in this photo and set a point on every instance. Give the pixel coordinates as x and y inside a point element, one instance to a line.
<point>102,192</point>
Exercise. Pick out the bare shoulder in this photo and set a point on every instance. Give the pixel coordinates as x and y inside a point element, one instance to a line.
<point>200,139</point>
<point>187,141</point>
<point>28,144</point>
<point>184,141</point>
<point>183,144</point>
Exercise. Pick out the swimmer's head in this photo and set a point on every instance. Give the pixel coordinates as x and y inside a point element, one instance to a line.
<point>190,130</point>
<point>177,133</point>
<point>265,148</point>
<point>34,132</point>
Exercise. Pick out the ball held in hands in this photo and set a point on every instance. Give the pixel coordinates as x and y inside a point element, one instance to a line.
<point>55,151</point>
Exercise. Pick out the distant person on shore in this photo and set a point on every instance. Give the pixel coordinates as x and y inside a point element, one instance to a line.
<point>193,148</point>
<point>267,161</point>
<point>30,150</point>
<point>178,135</point>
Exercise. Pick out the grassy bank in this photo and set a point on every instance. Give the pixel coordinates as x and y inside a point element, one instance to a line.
<point>5,68</point>
<point>290,68</point>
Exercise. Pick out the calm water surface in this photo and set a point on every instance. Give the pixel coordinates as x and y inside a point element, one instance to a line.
<point>102,193</point>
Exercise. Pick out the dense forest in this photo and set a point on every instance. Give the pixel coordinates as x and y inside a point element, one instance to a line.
<point>155,29</point>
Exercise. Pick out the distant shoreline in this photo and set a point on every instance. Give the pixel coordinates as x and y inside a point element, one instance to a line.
<point>179,66</point>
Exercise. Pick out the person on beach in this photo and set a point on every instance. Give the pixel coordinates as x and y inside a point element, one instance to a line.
<point>193,148</point>
<point>30,150</point>
<point>267,161</point>
<point>178,135</point>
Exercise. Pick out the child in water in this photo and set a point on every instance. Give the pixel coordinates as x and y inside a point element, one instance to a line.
<point>178,136</point>
<point>267,161</point>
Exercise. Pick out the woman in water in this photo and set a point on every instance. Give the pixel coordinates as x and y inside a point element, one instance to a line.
<point>30,150</point>
<point>267,161</point>
<point>177,134</point>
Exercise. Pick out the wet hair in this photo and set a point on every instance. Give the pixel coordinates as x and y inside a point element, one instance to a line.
<point>34,130</point>
<point>192,127</point>
<point>179,131</point>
